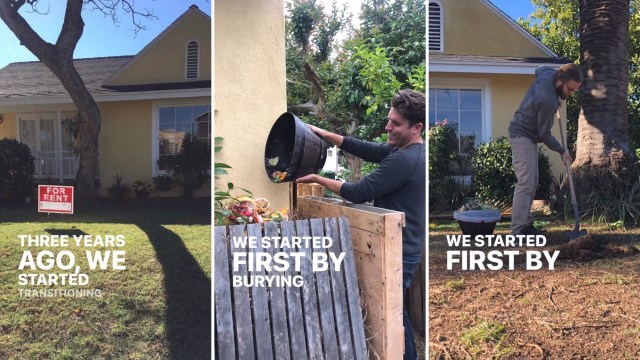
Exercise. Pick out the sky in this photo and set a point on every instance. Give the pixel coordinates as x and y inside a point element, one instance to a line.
<point>101,36</point>
<point>515,8</point>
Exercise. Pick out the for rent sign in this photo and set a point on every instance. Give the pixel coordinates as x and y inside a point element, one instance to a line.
<point>55,199</point>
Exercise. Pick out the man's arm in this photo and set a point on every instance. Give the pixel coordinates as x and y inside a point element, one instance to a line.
<point>367,151</point>
<point>544,133</point>
<point>543,127</point>
<point>335,139</point>
<point>332,185</point>
<point>390,176</point>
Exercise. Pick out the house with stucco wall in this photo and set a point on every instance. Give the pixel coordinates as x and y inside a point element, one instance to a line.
<point>481,63</point>
<point>148,103</point>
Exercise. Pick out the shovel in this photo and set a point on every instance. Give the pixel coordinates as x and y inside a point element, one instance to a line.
<point>576,232</point>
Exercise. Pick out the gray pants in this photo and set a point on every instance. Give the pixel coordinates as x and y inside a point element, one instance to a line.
<point>525,164</point>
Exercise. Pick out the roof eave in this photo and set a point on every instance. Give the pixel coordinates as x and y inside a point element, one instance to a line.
<point>108,97</point>
<point>477,67</point>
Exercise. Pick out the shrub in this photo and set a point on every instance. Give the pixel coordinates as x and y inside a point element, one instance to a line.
<point>443,148</point>
<point>494,178</point>
<point>118,190</point>
<point>17,167</point>
<point>607,196</point>
<point>162,183</point>
<point>142,188</point>
<point>192,165</point>
<point>445,192</point>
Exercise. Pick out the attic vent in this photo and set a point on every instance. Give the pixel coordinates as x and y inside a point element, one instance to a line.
<point>192,70</point>
<point>435,26</point>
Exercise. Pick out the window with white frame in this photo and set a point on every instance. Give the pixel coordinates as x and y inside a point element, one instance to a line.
<point>462,107</point>
<point>435,26</point>
<point>174,123</point>
<point>192,70</point>
<point>50,142</point>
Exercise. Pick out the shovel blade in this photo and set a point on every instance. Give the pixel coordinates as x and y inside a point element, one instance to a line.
<point>576,234</point>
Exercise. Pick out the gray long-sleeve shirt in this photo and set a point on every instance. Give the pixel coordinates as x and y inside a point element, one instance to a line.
<point>397,184</point>
<point>536,114</point>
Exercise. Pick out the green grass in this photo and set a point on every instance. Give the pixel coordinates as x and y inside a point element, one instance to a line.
<point>455,284</point>
<point>479,338</point>
<point>158,308</point>
<point>483,332</point>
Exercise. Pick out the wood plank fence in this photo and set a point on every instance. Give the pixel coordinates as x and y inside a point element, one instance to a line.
<point>321,319</point>
<point>377,246</point>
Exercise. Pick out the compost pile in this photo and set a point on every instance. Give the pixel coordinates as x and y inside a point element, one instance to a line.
<point>246,210</point>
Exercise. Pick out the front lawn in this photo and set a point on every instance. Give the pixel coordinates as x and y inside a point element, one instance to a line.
<point>158,308</point>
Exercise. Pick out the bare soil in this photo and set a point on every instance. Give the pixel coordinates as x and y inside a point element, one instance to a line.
<point>588,307</point>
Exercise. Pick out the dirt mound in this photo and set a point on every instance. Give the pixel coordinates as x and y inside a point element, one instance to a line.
<point>592,247</point>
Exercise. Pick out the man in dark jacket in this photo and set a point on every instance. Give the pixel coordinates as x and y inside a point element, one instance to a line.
<point>531,125</point>
<point>397,184</point>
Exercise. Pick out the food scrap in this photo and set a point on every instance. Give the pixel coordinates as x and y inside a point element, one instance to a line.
<point>273,161</point>
<point>247,210</point>
<point>278,176</point>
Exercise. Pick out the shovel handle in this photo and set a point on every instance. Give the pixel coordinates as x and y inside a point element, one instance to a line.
<point>574,200</point>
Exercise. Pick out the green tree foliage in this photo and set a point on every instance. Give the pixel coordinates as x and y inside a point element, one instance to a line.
<point>556,24</point>
<point>346,88</point>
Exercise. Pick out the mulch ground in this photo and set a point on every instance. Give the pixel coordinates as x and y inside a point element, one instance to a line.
<point>588,307</point>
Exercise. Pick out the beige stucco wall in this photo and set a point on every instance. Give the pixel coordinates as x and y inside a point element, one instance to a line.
<point>249,90</point>
<point>164,60</point>
<point>507,91</point>
<point>470,27</point>
<point>9,126</point>
<point>125,142</point>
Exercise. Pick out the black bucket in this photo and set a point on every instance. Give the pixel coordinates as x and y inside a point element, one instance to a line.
<point>294,149</point>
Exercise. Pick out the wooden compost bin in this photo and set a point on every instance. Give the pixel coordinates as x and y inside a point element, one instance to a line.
<point>377,244</point>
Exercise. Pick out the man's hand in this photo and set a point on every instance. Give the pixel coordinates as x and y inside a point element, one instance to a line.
<point>334,139</point>
<point>308,179</point>
<point>566,158</point>
<point>317,130</point>
<point>332,185</point>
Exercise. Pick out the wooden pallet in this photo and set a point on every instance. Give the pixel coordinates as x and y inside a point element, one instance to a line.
<point>320,320</point>
<point>377,245</point>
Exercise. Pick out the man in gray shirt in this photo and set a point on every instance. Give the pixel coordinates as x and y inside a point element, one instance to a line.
<point>531,125</point>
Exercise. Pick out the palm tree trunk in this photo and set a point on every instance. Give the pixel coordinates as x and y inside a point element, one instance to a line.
<point>603,139</point>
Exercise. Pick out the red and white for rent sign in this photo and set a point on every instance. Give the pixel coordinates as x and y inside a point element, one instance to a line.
<point>55,199</point>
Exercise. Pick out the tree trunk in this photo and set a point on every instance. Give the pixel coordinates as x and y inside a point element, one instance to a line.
<point>88,151</point>
<point>59,59</point>
<point>354,164</point>
<point>603,139</point>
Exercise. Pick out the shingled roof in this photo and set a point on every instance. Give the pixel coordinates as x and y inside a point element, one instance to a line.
<point>443,63</point>
<point>27,79</point>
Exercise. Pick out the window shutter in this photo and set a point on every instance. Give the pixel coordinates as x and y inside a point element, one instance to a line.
<point>435,27</point>
<point>192,60</point>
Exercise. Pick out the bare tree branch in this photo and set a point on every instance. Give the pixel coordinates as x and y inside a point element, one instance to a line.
<point>311,75</point>
<point>110,8</point>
